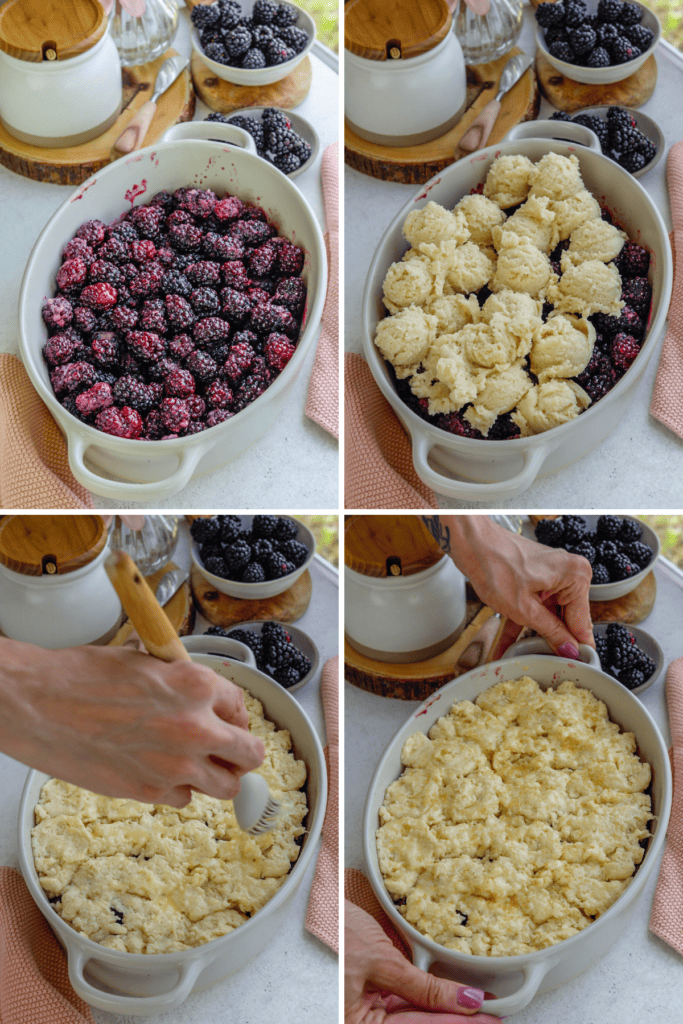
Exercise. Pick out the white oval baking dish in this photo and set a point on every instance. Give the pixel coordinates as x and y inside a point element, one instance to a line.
<point>138,470</point>
<point>515,980</point>
<point>149,984</point>
<point>489,471</point>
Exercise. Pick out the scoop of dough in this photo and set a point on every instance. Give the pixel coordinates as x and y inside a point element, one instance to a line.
<point>515,305</point>
<point>407,284</point>
<point>508,181</point>
<point>434,223</point>
<point>501,393</point>
<point>556,176</point>
<point>562,347</point>
<point>521,266</point>
<point>533,221</point>
<point>572,212</point>
<point>405,338</point>
<point>466,268</point>
<point>593,240</point>
<point>481,215</point>
<point>493,344</point>
<point>591,287</point>
<point>454,311</point>
<point>548,405</point>
<point>463,380</point>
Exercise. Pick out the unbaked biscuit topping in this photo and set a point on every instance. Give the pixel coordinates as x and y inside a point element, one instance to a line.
<point>517,820</point>
<point>146,878</point>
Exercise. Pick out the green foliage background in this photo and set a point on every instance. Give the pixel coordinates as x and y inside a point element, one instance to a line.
<point>670,14</point>
<point>326,16</point>
<point>669,529</point>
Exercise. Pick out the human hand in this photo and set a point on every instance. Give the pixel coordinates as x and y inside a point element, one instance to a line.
<point>380,985</point>
<point>533,585</point>
<point>123,724</point>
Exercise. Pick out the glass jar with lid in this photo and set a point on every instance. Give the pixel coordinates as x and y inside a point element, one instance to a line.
<point>485,37</point>
<point>142,37</point>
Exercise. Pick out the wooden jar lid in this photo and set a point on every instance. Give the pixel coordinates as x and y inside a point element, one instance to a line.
<point>49,545</point>
<point>389,545</point>
<point>378,30</point>
<point>38,30</point>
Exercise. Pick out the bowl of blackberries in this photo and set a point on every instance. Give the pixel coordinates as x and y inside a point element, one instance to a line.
<point>252,43</point>
<point>628,654</point>
<point>629,137</point>
<point>284,139</point>
<point>596,43</point>
<point>282,651</point>
<point>621,550</point>
<point>251,557</point>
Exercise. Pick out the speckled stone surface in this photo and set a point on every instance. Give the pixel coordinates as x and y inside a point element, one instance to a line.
<point>639,448</point>
<point>294,980</point>
<point>295,458</point>
<point>639,977</point>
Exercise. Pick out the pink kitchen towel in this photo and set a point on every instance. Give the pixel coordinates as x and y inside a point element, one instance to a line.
<point>34,977</point>
<point>322,404</point>
<point>379,471</point>
<point>667,395</point>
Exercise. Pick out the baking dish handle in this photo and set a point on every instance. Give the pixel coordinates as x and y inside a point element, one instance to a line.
<point>537,645</point>
<point>144,1005</point>
<point>187,463</point>
<point>223,646</point>
<point>532,975</point>
<point>563,131</point>
<point>212,131</point>
<point>470,490</point>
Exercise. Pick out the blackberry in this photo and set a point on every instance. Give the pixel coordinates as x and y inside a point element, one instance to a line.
<point>555,35</point>
<point>250,124</point>
<point>237,554</point>
<point>204,302</point>
<point>260,548</point>
<point>78,247</point>
<point>227,209</point>
<point>290,260</point>
<point>648,149</point>
<point>106,348</point>
<point>180,312</point>
<point>84,319</point>
<point>96,398</point>
<point>235,276</point>
<point>548,14</point>
<point>236,305</point>
<point>628,322</point>
<point>250,638</point>
<point>633,260</point>
<point>254,573</point>
<point>286,529</point>
<point>560,115</point>
<point>632,14</point>
<point>264,11</point>
<point>203,274</point>
<point>185,237</point>
<point>285,15</point>
<point>205,529</point>
<point>596,124</point>
<point>216,566</point>
<point>280,140</point>
<point>237,41</point>
<point>252,61</point>
<point>639,36</point>
<point>59,349</point>
<point>153,316</point>
<point>287,162</point>
<point>621,568</point>
<point>608,527</point>
<point>600,575</point>
<point>601,648</point>
<point>610,10</point>
<point>291,293</point>
<point>278,350</point>
<point>202,367</point>
<point>503,428</point>
<point>622,137</point>
<point>231,528</point>
<point>639,553</point>
<point>209,330</point>
<point>574,528</point>
<point>133,392</point>
<point>239,361</point>
<point>262,260</point>
<point>179,384</point>
<point>276,565</point>
<point>631,530</point>
<point>584,549</point>
<point>561,51</point>
<point>277,653</point>
<point>205,15</point>
<point>294,552</point>
<point>146,345</point>
<point>175,415</point>
<point>632,678</point>
<point>260,34</point>
<point>219,395</point>
<point>622,50</point>
<point>93,232</point>
<point>272,117</point>
<point>124,319</point>
<point>295,38</point>
<point>632,161</point>
<point>264,526</point>
<point>637,293</point>
<point>275,630</point>
<point>124,422</point>
<point>582,39</point>
<point>300,662</point>
<point>287,676</point>
<point>624,350</point>
<point>277,51</point>
<point>252,232</point>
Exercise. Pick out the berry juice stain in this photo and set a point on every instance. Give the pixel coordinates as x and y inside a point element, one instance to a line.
<point>135,191</point>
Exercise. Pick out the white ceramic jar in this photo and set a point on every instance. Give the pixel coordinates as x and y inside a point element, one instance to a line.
<point>61,610</point>
<point>401,619</point>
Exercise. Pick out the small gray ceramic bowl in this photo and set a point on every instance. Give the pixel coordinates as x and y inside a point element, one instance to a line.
<point>647,644</point>
<point>610,591</point>
<point>644,124</point>
<point>300,125</point>
<point>268,588</point>
<point>300,640</point>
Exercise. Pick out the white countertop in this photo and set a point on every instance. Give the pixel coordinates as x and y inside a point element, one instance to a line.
<point>295,979</point>
<point>296,462</point>
<point>639,977</point>
<point>651,452</point>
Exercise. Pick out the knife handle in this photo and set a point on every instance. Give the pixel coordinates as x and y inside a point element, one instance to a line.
<point>133,135</point>
<point>478,132</point>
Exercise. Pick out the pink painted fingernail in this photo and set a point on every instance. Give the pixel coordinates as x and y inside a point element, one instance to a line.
<point>470,998</point>
<point>568,651</point>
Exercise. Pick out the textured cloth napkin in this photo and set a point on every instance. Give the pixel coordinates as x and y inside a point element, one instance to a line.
<point>35,986</point>
<point>666,919</point>
<point>667,403</point>
<point>34,468</point>
<point>379,471</point>
<point>322,916</point>
<point>322,404</point>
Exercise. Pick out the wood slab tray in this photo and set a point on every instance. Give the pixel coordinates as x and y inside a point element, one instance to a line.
<point>180,610</point>
<point>223,610</point>
<point>73,165</point>
<point>417,164</point>
<point>224,97</point>
<point>565,94</point>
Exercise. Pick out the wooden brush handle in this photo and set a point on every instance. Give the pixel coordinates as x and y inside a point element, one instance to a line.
<point>143,609</point>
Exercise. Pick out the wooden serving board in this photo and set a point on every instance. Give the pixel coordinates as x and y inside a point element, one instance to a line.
<point>223,610</point>
<point>71,166</point>
<point>631,608</point>
<point>565,94</point>
<point>180,610</point>
<point>224,97</point>
<point>417,164</point>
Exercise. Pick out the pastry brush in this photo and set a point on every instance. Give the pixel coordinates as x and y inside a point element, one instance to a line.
<point>255,808</point>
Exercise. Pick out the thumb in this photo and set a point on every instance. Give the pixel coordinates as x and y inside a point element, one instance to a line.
<point>426,991</point>
<point>553,629</point>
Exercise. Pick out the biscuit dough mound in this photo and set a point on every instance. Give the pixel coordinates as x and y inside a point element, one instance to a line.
<point>517,820</point>
<point>501,393</point>
<point>562,347</point>
<point>407,284</point>
<point>521,266</point>
<point>533,221</point>
<point>494,344</point>
<point>549,405</point>
<point>556,176</point>
<point>405,338</point>
<point>571,213</point>
<point>593,240</point>
<point>147,878</point>
<point>466,268</point>
<point>434,223</point>
<point>454,311</point>
<point>508,180</point>
<point>481,215</point>
<point>519,306</point>
<point>592,287</point>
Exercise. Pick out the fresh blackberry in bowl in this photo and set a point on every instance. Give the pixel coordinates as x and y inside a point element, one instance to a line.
<point>285,15</point>
<point>251,125</point>
<point>624,350</point>
<point>237,41</point>
<point>562,51</point>
<point>600,573</point>
<point>608,527</point>
<point>639,36</point>
<point>237,554</point>
<point>633,260</point>
<point>286,529</point>
<point>295,38</point>
<point>550,532</point>
<point>631,14</point>
<point>621,567</point>
<point>294,552</point>
<point>560,115</point>
<point>622,50</point>
<point>596,124</point>
<point>598,58</point>
<point>205,530</point>
<point>277,566</point>
<point>632,678</point>
<point>584,549</point>
<point>253,59</point>
<point>548,14</point>
<point>574,528</point>
<point>277,653</point>
<point>610,10</point>
<point>275,630</point>
<point>217,566</point>
<point>637,293</point>
<point>582,39</point>
<point>632,161</point>
<point>287,676</point>
<point>254,573</point>
<point>631,531</point>
<point>639,553</point>
<point>264,526</point>
<point>264,11</point>
<point>575,12</point>
<point>231,528</point>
